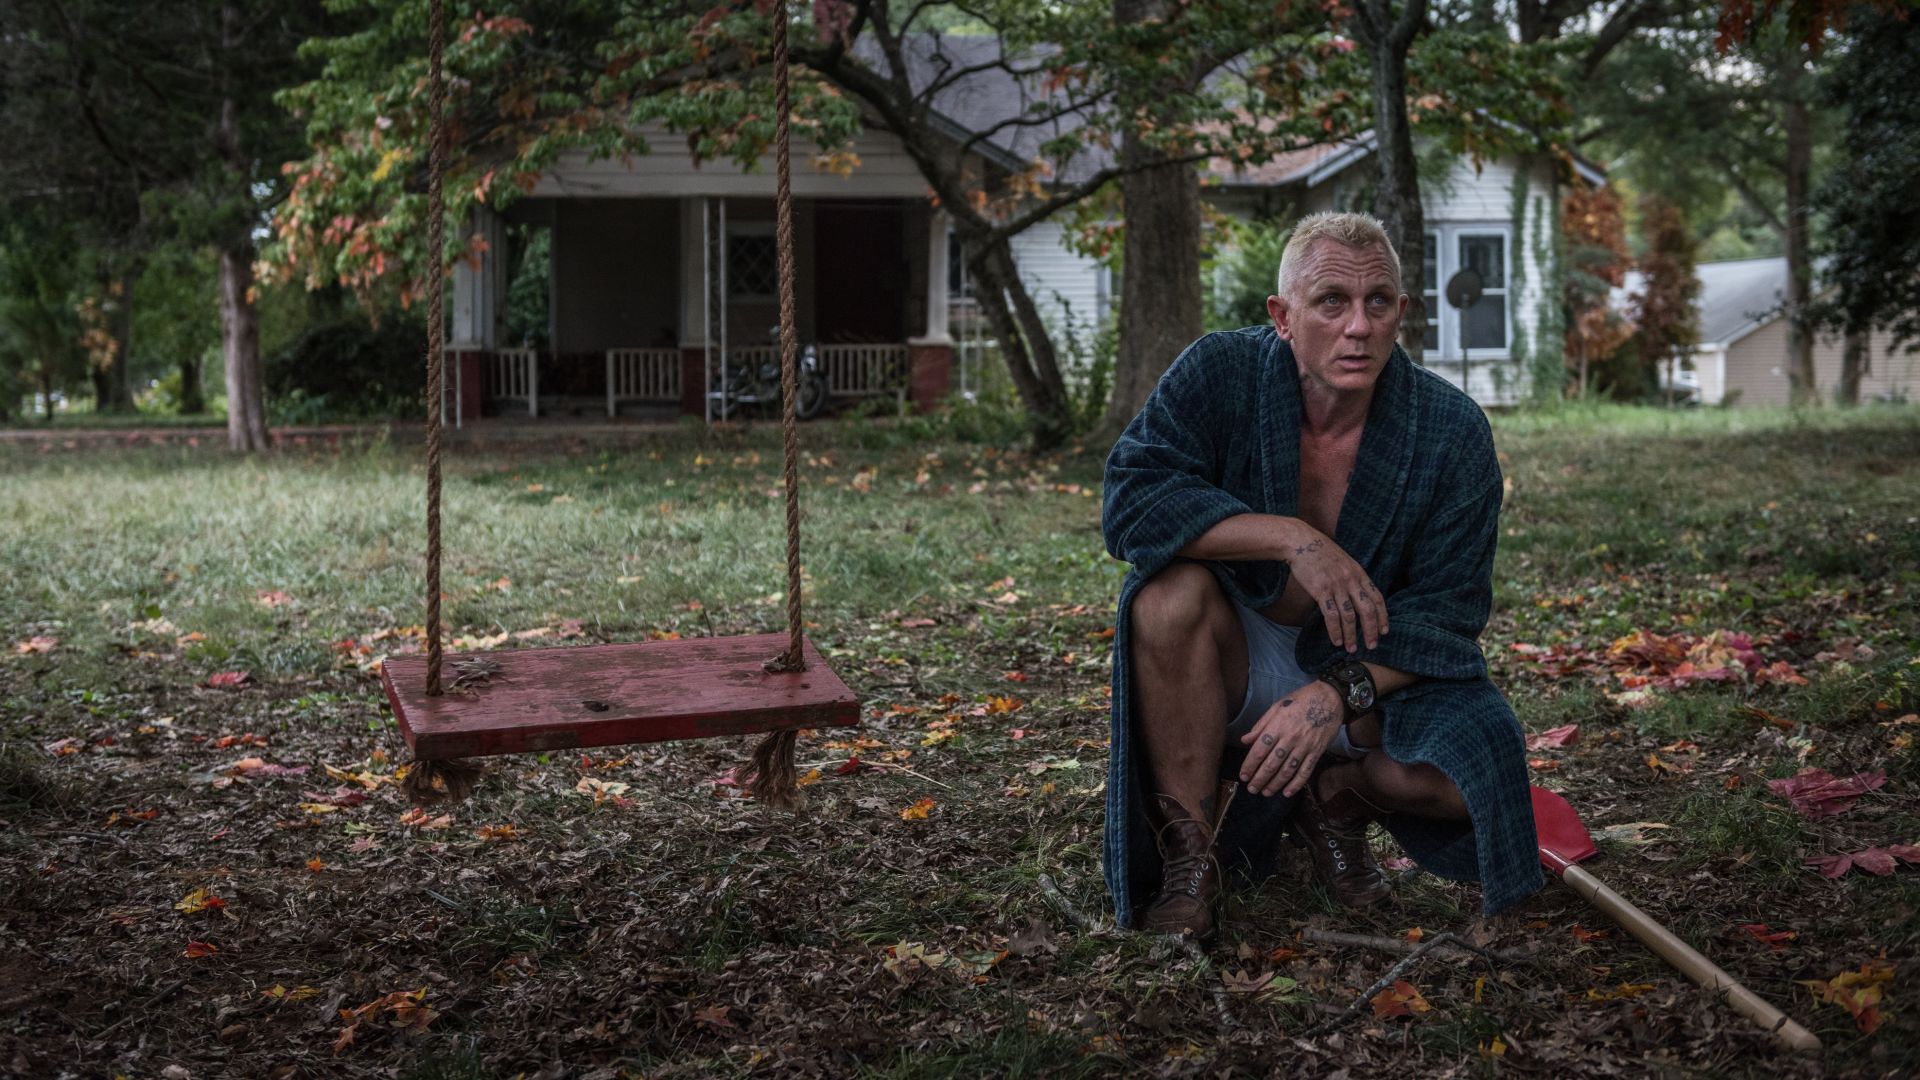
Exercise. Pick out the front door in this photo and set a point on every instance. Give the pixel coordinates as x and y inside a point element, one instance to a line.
<point>860,272</point>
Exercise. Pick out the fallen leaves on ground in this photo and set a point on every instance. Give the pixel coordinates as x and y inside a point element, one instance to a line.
<point>197,949</point>
<point>1400,999</point>
<point>1565,735</point>
<point>918,811</point>
<point>36,644</point>
<point>405,1009</point>
<point>197,901</point>
<point>1859,992</point>
<point>229,680</point>
<point>1776,939</point>
<point>1874,860</point>
<point>1624,992</point>
<point>1817,793</point>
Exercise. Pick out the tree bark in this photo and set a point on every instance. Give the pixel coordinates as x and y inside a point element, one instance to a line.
<point>1397,200</point>
<point>193,399</point>
<point>240,344</point>
<point>1022,335</point>
<point>1855,361</point>
<point>1800,374</point>
<point>1160,295</point>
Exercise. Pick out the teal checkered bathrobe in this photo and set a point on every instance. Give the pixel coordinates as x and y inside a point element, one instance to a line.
<point>1221,436</point>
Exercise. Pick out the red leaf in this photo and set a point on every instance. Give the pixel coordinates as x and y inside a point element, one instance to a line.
<point>1874,861</point>
<point>1831,866</point>
<point>198,949</point>
<point>1817,793</point>
<point>229,680</point>
<point>1775,938</point>
<point>851,765</point>
<point>1565,735</point>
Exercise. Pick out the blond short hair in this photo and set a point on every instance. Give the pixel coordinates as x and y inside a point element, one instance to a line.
<point>1353,229</point>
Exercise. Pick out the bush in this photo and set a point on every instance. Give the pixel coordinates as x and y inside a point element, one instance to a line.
<point>348,369</point>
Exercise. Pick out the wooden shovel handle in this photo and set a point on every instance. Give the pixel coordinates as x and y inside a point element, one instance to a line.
<point>1689,961</point>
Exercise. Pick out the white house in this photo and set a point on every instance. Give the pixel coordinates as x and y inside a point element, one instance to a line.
<point>661,270</point>
<point>1742,355</point>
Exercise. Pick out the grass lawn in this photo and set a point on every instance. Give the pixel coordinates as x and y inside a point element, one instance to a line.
<point>654,923</point>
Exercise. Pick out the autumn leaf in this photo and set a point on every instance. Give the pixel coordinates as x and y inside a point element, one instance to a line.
<point>419,818</point>
<point>197,949</point>
<point>272,598</point>
<point>1400,999</point>
<point>1565,735</point>
<point>918,811</point>
<point>1817,793</point>
<point>36,644</point>
<point>1874,860</point>
<point>314,864</point>
<point>228,680</point>
<point>497,832</point>
<point>849,766</point>
<point>602,790</point>
<point>812,777</point>
<point>1583,935</point>
<point>197,901</point>
<point>1000,705</point>
<point>1859,992</point>
<point>1777,939</point>
<point>298,993</point>
<point>1625,991</point>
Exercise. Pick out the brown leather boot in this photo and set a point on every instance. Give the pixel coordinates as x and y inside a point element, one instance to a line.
<point>1189,868</point>
<point>1334,832</point>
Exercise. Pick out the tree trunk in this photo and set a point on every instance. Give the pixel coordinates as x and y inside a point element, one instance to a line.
<point>240,343</point>
<point>1159,282</point>
<point>46,395</point>
<point>1023,339</point>
<point>1397,200</point>
<point>123,341</point>
<point>1160,296</point>
<point>192,399</point>
<point>1855,361</point>
<point>1800,376</point>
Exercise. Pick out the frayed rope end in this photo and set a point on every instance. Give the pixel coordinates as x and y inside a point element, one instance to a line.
<point>450,781</point>
<point>770,775</point>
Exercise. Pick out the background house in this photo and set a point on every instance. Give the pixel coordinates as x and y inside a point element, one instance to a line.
<point>1742,355</point>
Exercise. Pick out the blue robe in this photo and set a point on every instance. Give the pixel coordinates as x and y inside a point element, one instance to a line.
<point>1220,436</point>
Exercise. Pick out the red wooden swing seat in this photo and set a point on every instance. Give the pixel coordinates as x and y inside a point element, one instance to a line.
<point>520,700</point>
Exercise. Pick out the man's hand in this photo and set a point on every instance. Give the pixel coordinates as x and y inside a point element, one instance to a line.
<point>1343,592</point>
<point>1287,742</point>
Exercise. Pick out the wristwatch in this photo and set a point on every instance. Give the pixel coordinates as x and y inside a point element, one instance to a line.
<point>1355,684</point>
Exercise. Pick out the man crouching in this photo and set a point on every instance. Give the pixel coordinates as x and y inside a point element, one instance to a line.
<point>1311,521</point>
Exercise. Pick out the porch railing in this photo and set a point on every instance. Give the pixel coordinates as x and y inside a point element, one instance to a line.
<point>514,375</point>
<point>642,375</point>
<point>865,370</point>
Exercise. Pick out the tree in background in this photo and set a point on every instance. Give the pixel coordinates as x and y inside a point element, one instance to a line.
<point>40,331</point>
<point>1664,311</point>
<point>1869,202</point>
<point>1595,246</point>
<point>154,121</point>
<point>532,81</point>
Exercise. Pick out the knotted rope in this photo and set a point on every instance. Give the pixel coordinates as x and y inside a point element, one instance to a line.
<point>770,775</point>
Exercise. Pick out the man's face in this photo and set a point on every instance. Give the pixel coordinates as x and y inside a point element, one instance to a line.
<point>1343,323</point>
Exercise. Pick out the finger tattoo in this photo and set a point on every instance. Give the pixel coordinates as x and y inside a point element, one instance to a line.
<point>1266,740</point>
<point>1346,605</point>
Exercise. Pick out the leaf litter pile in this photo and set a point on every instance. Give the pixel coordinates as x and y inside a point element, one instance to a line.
<point>211,870</point>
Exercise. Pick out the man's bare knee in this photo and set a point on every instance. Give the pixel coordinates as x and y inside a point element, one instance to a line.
<point>1176,605</point>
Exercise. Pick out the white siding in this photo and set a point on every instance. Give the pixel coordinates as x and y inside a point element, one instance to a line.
<point>1756,368</point>
<point>884,171</point>
<point>1060,280</point>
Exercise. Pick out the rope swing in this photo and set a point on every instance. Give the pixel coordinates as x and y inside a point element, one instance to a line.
<point>641,696</point>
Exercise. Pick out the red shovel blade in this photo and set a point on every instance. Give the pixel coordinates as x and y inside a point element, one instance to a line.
<point>1563,839</point>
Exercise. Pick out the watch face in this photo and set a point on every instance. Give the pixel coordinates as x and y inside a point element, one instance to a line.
<point>1360,697</point>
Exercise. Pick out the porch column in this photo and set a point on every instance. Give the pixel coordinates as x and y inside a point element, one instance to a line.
<point>693,297</point>
<point>479,305</point>
<point>930,356</point>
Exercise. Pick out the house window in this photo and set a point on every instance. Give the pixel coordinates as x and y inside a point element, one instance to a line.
<point>753,270</point>
<point>1484,325</point>
<point>959,285</point>
<point>1480,331</point>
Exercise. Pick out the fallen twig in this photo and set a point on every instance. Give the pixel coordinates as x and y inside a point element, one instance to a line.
<point>1205,967</point>
<point>1059,900</point>
<point>1401,945</point>
<point>1400,967</point>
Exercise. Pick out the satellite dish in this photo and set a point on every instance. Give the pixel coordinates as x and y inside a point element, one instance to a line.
<point>1464,289</point>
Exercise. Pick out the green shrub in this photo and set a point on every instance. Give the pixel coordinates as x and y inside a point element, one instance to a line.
<point>346,368</point>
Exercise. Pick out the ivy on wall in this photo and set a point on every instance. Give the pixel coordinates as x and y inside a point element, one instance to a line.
<point>1537,356</point>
